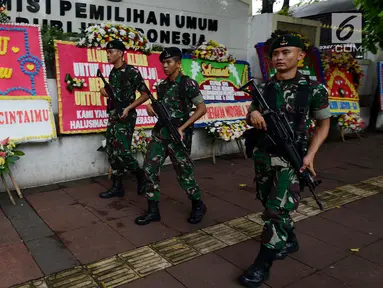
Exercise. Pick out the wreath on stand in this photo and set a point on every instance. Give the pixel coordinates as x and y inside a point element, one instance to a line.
<point>100,35</point>
<point>350,121</point>
<point>227,131</point>
<point>345,62</point>
<point>213,51</point>
<point>9,156</point>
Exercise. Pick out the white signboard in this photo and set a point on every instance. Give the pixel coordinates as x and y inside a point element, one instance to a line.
<point>26,120</point>
<point>166,22</point>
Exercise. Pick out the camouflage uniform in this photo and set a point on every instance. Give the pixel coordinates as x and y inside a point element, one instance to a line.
<point>161,145</point>
<point>271,170</point>
<point>178,97</point>
<point>125,81</point>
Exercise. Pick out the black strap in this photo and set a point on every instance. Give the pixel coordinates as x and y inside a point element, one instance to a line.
<point>301,101</point>
<point>183,93</point>
<point>301,104</point>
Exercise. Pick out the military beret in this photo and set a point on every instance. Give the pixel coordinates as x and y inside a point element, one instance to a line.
<point>170,52</point>
<point>286,40</point>
<point>116,44</point>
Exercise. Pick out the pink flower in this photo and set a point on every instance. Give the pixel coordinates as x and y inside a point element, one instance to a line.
<point>3,154</point>
<point>4,142</point>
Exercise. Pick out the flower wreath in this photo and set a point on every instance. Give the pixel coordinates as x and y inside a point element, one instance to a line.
<point>8,155</point>
<point>100,35</point>
<point>227,130</point>
<point>3,13</point>
<point>74,82</point>
<point>343,61</point>
<point>140,141</point>
<point>351,121</point>
<point>213,51</point>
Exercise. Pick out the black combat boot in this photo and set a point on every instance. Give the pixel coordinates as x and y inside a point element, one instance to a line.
<point>117,189</point>
<point>152,215</point>
<point>259,272</point>
<point>198,211</point>
<point>291,246</point>
<point>140,175</point>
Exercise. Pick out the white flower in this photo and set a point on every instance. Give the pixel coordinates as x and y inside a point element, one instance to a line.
<point>122,32</point>
<point>212,130</point>
<point>217,124</point>
<point>132,35</point>
<point>102,32</point>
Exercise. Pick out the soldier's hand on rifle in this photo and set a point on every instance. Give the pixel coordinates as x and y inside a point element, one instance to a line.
<point>103,92</point>
<point>150,110</point>
<point>257,120</point>
<point>308,162</point>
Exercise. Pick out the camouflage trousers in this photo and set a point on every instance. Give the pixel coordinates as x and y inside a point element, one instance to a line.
<point>158,151</point>
<point>274,178</point>
<point>118,146</point>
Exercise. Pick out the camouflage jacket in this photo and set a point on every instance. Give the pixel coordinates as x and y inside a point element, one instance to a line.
<point>125,81</point>
<point>179,106</point>
<point>319,108</point>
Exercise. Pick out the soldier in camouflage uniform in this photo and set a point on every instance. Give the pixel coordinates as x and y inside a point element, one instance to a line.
<point>178,93</point>
<point>274,175</point>
<point>125,80</point>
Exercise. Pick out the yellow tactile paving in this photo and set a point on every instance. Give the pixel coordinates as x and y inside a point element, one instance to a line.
<point>76,277</point>
<point>131,265</point>
<point>256,217</point>
<point>112,272</point>
<point>202,242</point>
<point>358,191</point>
<point>246,226</point>
<point>175,250</point>
<point>144,261</point>
<point>226,234</point>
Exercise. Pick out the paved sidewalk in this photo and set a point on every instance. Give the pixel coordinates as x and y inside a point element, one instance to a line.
<point>63,226</point>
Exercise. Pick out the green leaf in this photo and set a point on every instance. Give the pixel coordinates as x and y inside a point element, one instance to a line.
<point>18,153</point>
<point>12,159</point>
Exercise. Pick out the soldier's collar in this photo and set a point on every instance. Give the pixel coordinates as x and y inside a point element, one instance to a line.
<point>122,67</point>
<point>298,78</point>
<point>177,80</point>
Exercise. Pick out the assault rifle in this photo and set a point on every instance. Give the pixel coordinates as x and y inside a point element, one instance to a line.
<point>280,133</point>
<point>108,89</point>
<point>164,118</point>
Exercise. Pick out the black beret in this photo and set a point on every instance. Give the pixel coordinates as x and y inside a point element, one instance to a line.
<point>116,44</point>
<point>170,52</point>
<point>286,40</point>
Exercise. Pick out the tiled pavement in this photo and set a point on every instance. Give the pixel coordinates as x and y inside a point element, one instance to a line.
<point>65,226</point>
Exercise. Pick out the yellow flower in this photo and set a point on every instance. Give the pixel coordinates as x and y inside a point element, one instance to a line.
<point>2,161</point>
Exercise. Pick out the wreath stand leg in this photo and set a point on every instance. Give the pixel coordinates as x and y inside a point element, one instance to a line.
<point>15,185</point>
<point>342,135</point>
<point>213,150</point>
<point>357,134</point>
<point>8,191</point>
<point>241,148</point>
